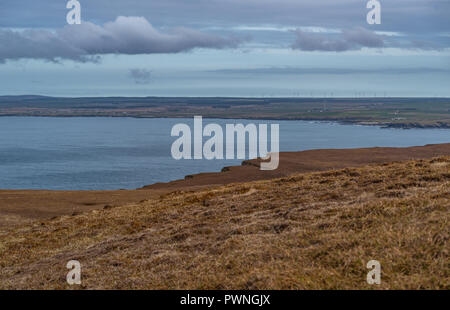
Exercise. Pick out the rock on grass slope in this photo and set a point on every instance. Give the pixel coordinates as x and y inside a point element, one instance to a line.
<point>307,231</point>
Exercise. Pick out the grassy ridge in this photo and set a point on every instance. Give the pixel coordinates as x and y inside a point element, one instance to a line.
<point>307,231</point>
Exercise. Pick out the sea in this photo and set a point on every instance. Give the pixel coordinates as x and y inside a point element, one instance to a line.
<point>110,153</point>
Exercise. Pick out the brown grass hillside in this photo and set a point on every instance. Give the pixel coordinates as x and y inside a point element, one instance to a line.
<point>308,231</point>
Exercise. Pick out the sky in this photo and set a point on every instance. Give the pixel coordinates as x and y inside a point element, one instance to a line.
<point>262,48</point>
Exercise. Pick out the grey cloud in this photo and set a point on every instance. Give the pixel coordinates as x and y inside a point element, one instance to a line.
<point>354,39</point>
<point>36,44</point>
<point>413,18</point>
<point>140,76</point>
<point>126,35</point>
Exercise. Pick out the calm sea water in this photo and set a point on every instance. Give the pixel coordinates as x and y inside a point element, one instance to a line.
<point>114,153</point>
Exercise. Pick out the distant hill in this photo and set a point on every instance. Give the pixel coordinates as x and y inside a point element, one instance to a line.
<point>22,97</point>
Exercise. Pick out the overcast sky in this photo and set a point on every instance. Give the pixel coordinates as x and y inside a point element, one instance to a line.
<point>225,48</point>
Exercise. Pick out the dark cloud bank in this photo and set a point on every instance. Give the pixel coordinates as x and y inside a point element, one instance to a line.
<point>126,35</point>
<point>355,39</point>
<point>135,35</point>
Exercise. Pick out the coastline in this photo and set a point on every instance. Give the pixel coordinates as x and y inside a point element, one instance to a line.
<point>343,121</point>
<point>21,206</point>
<point>306,231</point>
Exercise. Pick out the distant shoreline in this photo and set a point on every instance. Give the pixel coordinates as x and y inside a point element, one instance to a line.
<point>404,113</point>
<point>438,125</point>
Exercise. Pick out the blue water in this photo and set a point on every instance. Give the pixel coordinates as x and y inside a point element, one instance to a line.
<point>127,153</point>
